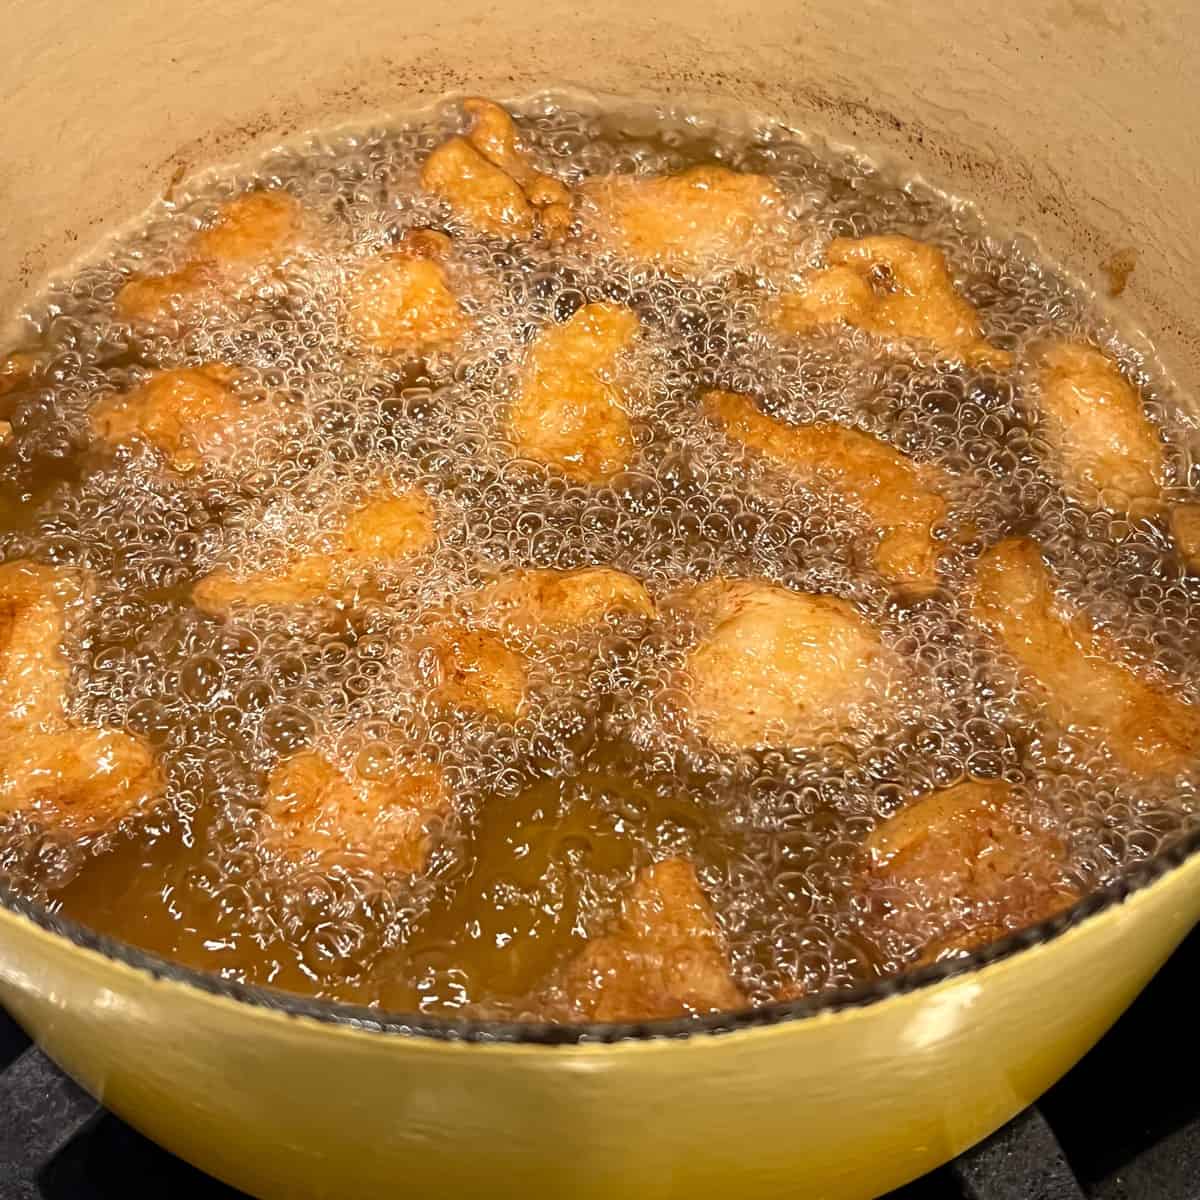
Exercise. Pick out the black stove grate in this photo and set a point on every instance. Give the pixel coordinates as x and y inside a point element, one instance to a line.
<point>1124,1125</point>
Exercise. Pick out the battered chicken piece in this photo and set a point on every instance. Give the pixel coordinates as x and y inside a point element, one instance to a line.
<point>962,847</point>
<point>386,528</point>
<point>191,416</point>
<point>895,287</point>
<point>34,602</point>
<point>317,812</point>
<point>691,223</point>
<point>898,497</point>
<point>401,302</point>
<point>479,670</point>
<point>776,666</point>
<point>1144,727</point>
<point>16,369</point>
<point>489,182</point>
<point>79,780</point>
<point>1094,420</point>
<point>251,233</point>
<point>570,413</point>
<point>664,957</point>
<point>1108,451</point>
<point>549,601</point>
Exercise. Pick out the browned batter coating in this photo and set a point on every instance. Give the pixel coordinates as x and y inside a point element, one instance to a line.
<point>895,287</point>
<point>401,302</point>
<point>384,529</point>
<point>897,496</point>
<point>1144,727</point>
<point>489,183</point>
<point>318,812</point>
<point>1095,423</point>
<point>191,416</point>
<point>79,780</point>
<point>34,604</point>
<point>82,781</point>
<point>479,670</point>
<point>1108,452</point>
<point>663,957</point>
<point>973,872</point>
<point>547,600</point>
<point>774,666</point>
<point>570,412</point>
<point>251,233</point>
<point>701,219</point>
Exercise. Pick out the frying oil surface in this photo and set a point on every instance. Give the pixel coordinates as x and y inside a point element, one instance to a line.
<point>552,813</point>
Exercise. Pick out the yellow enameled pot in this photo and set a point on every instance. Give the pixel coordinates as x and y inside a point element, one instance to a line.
<point>1069,118</point>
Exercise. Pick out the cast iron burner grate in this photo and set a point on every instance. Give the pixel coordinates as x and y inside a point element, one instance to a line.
<point>1111,1130</point>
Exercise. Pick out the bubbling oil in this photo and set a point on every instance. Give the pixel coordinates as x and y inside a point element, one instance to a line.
<point>554,813</point>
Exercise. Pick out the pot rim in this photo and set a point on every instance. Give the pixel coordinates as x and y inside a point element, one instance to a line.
<point>536,1033</point>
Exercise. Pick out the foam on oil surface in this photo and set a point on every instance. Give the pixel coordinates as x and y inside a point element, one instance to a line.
<point>777,835</point>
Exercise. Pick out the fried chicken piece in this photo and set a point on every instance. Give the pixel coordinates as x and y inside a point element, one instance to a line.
<point>1144,727</point>
<point>401,302</point>
<point>664,957</point>
<point>570,413</point>
<point>191,416</point>
<point>34,602</point>
<point>701,219</point>
<point>1094,421</point>
<point>897,496</point>
<point>16,369</point>
<point>318,812</point>
<point>251,233</point>
<point>479,670</point>
<point>774,666</point>
<point>549,601</point>
<point>82,781</point>
<point>963,850</point>
<point>386,528</point>
<point>489,182</point>
<point>1108,451</point>
<point>1184,520</point>
<point>895,287</point>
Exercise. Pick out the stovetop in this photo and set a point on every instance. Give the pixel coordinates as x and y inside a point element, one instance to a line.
<point>1123,1125</point>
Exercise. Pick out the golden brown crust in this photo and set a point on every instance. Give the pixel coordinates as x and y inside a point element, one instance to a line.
<point>251,232</point>
<point>489,182</point>
<point>897,496</point>
<point>775,666</point>
<point>1102,440</point>
<point>690,223</point>
<point>895,287</point>
<point>386,528</point>
<point>964,853</point>
<point>663,957</point>
<point>191,416</point>
<point>569,413</point>
<point>317,812</point>
<point>1081,685</point>
<point>401,302</point>
<point>34,673</point>
<point>478,671</point>
<point>82,781</point>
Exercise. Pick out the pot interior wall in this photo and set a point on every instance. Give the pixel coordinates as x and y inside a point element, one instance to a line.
<point>1066,118</point>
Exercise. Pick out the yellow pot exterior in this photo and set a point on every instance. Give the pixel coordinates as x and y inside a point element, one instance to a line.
<point>839,1106</point>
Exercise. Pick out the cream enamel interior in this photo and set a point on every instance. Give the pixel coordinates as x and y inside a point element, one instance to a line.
<point>1068,118</point>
